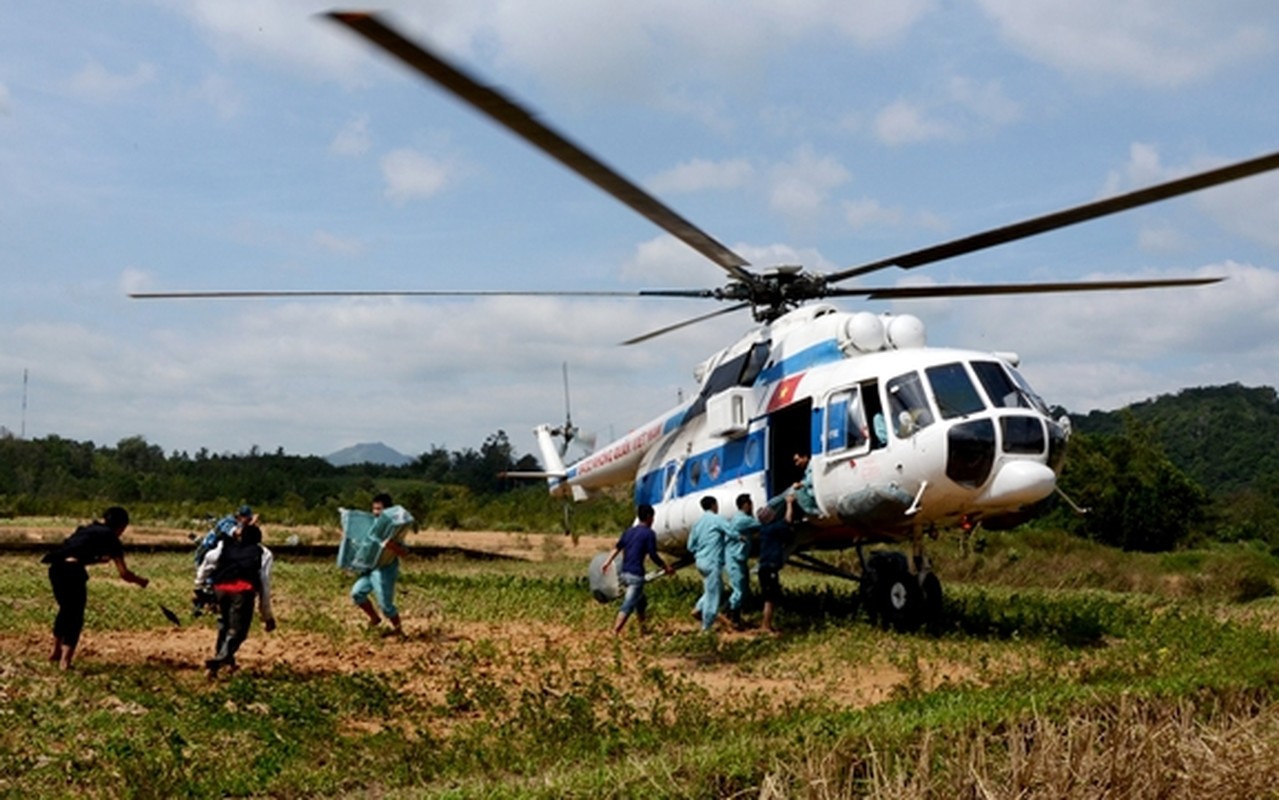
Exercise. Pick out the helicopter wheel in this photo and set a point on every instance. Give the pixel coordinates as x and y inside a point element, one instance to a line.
<point>893,597</point>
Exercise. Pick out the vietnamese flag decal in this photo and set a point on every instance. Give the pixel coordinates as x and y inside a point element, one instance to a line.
<point>785,392</point>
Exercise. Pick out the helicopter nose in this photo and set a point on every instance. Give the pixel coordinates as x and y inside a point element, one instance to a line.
<point>1020,483</point>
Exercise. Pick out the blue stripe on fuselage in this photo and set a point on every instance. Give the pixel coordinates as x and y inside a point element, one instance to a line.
<point>821,353</point>
<point>730,461</point>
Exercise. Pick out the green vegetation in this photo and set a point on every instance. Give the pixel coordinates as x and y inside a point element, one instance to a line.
<point>1221,438</point>
<point>458,490</point>
<point>1065,668</point>
<point>1177,471</point>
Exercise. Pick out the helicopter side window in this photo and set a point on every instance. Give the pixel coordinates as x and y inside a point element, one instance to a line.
<point>755,362</point>
<point>954,390</point>
<point>1035,400</point>
<point>999,386</point>
<point>846,422</point>
<point>908,405</point>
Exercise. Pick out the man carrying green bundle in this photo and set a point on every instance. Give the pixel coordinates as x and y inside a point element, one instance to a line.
<point>371,547</point>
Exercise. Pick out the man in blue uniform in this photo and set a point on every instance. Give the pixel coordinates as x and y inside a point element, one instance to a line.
<point>737,549</point>
<point>636,543</point>
<point>706,543</point>
<point>774,544</point>
<point>379,581</point>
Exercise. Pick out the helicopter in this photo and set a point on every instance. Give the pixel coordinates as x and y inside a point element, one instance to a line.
<point>901,438</point>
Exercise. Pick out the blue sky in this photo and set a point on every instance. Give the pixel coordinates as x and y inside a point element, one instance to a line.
<point>164,145</point>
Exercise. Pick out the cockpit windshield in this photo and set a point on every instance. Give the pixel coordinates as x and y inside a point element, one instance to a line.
<point>954,390</point>
<point>998,385</point>
<point>1006,387</point>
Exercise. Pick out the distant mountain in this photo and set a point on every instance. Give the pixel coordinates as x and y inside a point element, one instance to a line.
<point>1222,436</point>
<point>368,453</point>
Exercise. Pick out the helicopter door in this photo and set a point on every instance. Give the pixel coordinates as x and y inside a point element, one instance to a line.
<point>790,431</point>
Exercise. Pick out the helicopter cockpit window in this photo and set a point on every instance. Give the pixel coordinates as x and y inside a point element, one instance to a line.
<point>954,390</point>
<point>999,386</point>
<point>1036,401</point>
<point>846,422</point>
<point>908,405</point>
<point>1006,387</point>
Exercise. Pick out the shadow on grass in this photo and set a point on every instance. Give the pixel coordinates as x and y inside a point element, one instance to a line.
<point>1076,621</point>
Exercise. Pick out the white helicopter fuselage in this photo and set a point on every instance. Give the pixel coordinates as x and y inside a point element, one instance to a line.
<point>902,437</point>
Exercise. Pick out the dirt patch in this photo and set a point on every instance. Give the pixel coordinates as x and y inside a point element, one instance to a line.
<point>436,651</point>
<point>426,663</point>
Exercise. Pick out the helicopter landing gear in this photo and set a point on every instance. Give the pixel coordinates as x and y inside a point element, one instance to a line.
<point>895,598</point>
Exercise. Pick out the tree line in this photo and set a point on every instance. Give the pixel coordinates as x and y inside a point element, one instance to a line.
<point>1201,465</point>
<point>53,476</point>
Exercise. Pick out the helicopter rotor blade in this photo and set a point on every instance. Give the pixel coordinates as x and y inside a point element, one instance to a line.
<point>976,290</point>
<point>217,294</point>
<point>1066,217</point>
<point>660,331</point>
<point>524,124</point>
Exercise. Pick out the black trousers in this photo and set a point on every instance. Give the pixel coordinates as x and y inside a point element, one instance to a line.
<point>235,615</point>
<point>70,582</point>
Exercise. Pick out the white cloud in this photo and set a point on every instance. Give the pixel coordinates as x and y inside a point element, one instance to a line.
<point>411,175</point>
<point>1106,349</point>
<point>962,108</point>
<point>1247,207</point>
<point>700,174</point>
<point>280,33</point>
<point>94,82</point>
<point>903,122</point>
<point>801,184</point>
<point>1148,42</point>
<point>870,213</point>
<point>1162,238</point>
<point>666,262</point>
<point>1144,167</point>
<point>353,139</point>
<point>985,103</point>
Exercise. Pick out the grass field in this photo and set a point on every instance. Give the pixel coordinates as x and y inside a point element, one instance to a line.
<point>1063,670</point>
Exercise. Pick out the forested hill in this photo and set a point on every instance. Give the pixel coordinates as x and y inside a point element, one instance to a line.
<point>1226,438</point>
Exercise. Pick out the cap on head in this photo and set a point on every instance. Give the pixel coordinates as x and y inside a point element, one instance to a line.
<point>245,511</point>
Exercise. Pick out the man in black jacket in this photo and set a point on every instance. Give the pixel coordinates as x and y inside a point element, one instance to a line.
<point>240,571</point>
<point>95,543</point>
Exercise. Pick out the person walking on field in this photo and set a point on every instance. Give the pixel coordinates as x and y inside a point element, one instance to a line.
<point>706,543</point>
<point>380,580</point>
<point>239,569</point>
<point>737,549</point>
<point>774,541</point>
<point>95,543</point>
<point>636,543</point>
